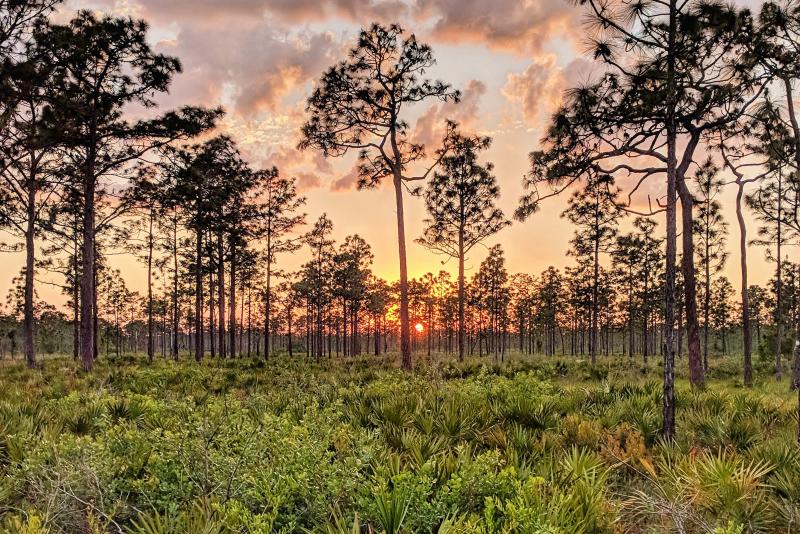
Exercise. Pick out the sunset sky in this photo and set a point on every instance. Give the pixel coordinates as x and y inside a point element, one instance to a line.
<point>260,58</point>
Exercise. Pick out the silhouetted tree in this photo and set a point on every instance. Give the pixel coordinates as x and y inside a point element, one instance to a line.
<point>460,200</point>
<point>710,228</point>
<point>358,105</point>
<point>596,212</point>
<point>28,178</point>
<point>675,71</point>
<point>277,218</point>
<point>104,65</point>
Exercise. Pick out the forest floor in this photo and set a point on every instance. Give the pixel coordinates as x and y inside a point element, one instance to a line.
<point>536,444</point>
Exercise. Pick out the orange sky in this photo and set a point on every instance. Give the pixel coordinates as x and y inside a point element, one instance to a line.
<point>259,59</point>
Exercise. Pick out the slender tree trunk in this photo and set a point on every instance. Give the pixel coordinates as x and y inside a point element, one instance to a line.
<point>405,338</point>
<point>87,331</point>
<point>377,335</point>
<point>595,294</point>
<point>289,330</point>
<point>76,305</point>
<point>706,296</point>
<point>461,327</point>
<point>696,373</point>
<point>28,320</point>
<point>646,311</point>
<point>345,337</point>
<point>267,308</point>
<point>232,298</point>
<point>249,319</point>
<point>221,296</point>
<point>150,288</point>
<point>668,423</point>
<point>198,297</point>
<point>175,308</point>
<point>779,287</point>
<point>212,323</point>
<point>746,330</point>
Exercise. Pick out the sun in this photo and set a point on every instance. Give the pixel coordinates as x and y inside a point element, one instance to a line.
<point>418,327</point>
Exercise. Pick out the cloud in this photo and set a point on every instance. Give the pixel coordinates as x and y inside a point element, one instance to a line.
<point>347,182</point>
<point>429,128</point>
<point>517,25</point>
<point>210,12</point>
<point>249,70</point>
<point>307,180</point>
<point>538,89</point>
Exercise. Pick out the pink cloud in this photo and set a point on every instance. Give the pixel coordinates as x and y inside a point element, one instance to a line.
<point>518,25</point>
<point>211,12</point>
<point>255,68</point>
<point>347,182</point>
<point>538,89</point>
<point>307,180</point>
<point>430,126</point>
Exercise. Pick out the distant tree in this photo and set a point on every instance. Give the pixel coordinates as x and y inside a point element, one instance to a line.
<point>205,178</point>
<point>772,204</point>
<point>460,200</point>
<point>523,299</point>
<point>350,278</point>
<point>62,225</point>
<point>710,229</point>
<point>316,278</point>
<point>596,211</point>
<point>358,105</point>
<point>277,217</point>
<point>759,304</point>
<point>777,44</point>
<point>651,271</point>
<point>769,204</point>
<point>549,299</point>
<point>721,294</point>
<point>378,301</point>
<point>149,195</point>
<point>492,279</point>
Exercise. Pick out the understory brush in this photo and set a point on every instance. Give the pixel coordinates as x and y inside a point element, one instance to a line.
<point>358,446</point>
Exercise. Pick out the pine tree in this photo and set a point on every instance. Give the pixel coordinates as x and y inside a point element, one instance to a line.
<point>460,200</point>
<point>358,105</point>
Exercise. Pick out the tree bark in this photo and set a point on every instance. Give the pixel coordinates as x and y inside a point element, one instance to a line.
<point>405,338</point>
<point>198,297</point>
<point>779,286</point>
<point>267,305</point>
<point>221,296</point>
<point>87,330</point>
<point>461,327</point>
<point>595,294</point>
<point>746,331</point>
<point>668,412</point>
<point>232,298</point>
<point>175,310</point>
<point>696,373</point>
<point>150,288</point>
<point>28,320</point>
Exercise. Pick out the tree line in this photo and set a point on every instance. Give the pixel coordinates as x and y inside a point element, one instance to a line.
<point>692,97</point>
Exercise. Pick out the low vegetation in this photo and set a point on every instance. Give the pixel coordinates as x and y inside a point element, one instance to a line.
<point>539,444</point>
